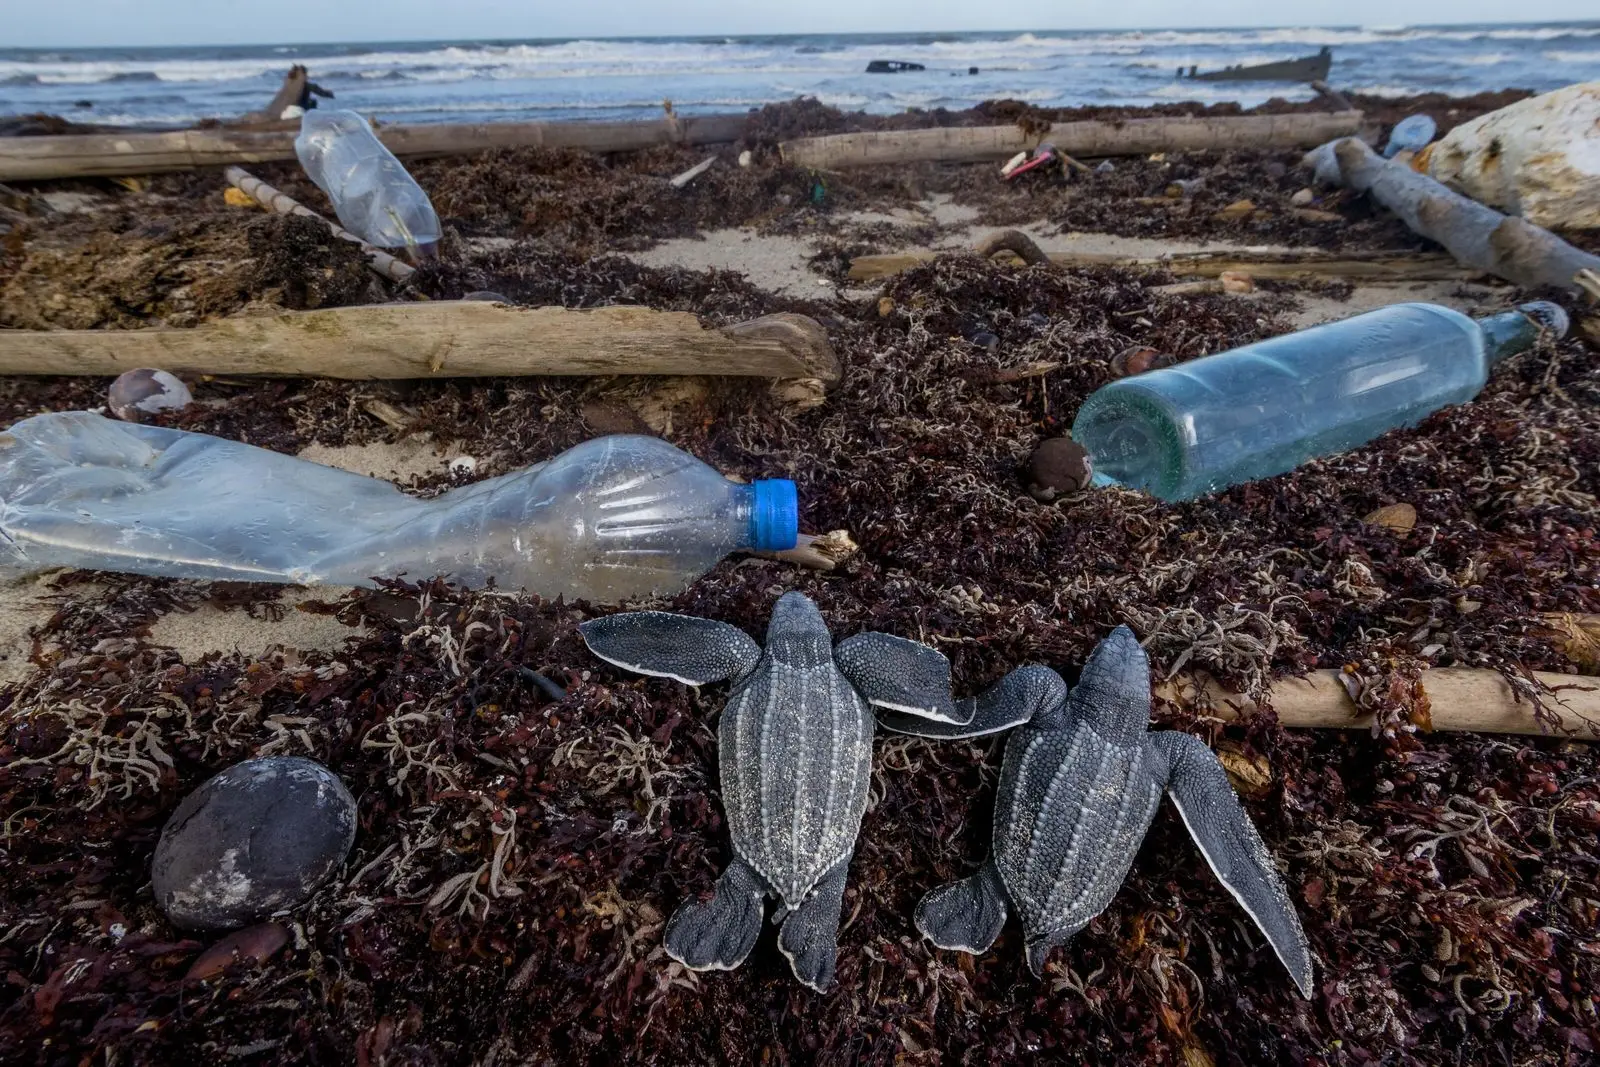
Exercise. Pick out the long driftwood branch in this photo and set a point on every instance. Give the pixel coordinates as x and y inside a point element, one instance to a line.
<point>1475,235</point>
<point>110,154</point>
<point>284,204</point>
<point>1126,137</point>
<point>1377,267</point>
<point>438,339</point>
<point>1462,699</point>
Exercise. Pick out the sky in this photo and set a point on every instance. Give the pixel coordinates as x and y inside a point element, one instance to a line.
<point>88,23</point>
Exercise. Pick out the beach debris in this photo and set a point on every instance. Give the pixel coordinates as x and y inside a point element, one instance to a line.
<point>1105,166</point>
<point>487,296</point>
<point>692,173</point>
<point>1538,159</point>
<point>1079,786</point>
<point>1460,699</point>
<point>373,194</point>
<point>442,339</point>
<point>1239,209</point>
<point>822,552</point>
<point>1025,161</point>
<point>1058,466</point>
<point>795,752</point>
<point>746,158</point>
<point>1410,134</point>
<point>1401,517</point>
<point>1090,139</point>
<point>381,262</point>
<point>1219,421</point>
<point>606,520</point>
<point>1313,68</point>
<point>1014,241</point>
<point>254,944</point>
<point>1476,235</point>
<point>145,391</point>
<point>233,196</point>
<point>892,66</point>
<point>1302,197</point>
<point>1184,187</point>
<point>1229,281</point>
<point>256,839</point>
<point>1578,637</point>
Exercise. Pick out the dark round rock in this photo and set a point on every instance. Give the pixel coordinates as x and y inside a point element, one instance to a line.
<point>140,393</point>
<point>1059,465</point>
<point>255,839</point>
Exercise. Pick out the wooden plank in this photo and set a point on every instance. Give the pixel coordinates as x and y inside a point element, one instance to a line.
<point>438,339</point>
<point>1462,699</point>
<point>1378,267</point>
<point>112,154</point>
<point>959,144</point>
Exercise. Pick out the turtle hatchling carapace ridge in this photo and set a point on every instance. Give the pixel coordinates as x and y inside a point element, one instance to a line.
<point>795,754</point>
<point>1079,787</point>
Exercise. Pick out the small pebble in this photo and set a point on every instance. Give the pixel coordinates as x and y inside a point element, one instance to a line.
<point>257,838</point>
<point>1105,167</point>
<point>1136,359</point>
<point>1274,169</point>
<point>140,393</point>
<point>255,944</point>
<point>745,158</point>
<point>1302,197</point>
<point>1059,465</point>
<point>463,465</point>
<point>986,340</point>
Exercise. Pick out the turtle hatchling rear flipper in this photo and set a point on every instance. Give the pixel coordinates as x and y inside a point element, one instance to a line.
<point>681,647</point>
<point>809,939</point>
<point>964,916</point>
<point>717,934</point>
<point>1024,695</point>
<point>903,676</point>
<point>1198,785</point>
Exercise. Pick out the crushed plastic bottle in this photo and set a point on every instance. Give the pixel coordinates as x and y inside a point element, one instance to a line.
<point>1410,134</point>
<point>1268,407</point>
<point>611,519</point>
<point>373,194</point>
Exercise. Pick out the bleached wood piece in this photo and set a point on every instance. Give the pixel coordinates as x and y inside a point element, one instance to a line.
<point>438,339</point>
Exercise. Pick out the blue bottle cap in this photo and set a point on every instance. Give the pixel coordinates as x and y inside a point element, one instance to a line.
<point>774,515</point>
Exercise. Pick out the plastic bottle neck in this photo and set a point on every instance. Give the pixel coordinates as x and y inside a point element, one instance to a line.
<point>1511,332</point>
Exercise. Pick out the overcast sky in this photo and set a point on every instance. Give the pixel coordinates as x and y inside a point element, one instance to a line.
<point>45,23</point>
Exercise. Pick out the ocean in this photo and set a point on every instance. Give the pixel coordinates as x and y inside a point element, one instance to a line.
<point>615,78</point>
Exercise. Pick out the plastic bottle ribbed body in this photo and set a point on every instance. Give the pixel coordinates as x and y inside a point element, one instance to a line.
<point>610,519</point>
<point>373,194</point>
<point>1268,407</point>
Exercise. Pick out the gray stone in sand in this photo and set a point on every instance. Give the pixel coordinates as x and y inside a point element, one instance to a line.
<point>256,839</point>
<point>795,749</point>
<point>1078,790</point>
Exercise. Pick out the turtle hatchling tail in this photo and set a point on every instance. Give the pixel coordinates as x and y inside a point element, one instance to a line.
<point>717,934</point>
<point>967,915</point>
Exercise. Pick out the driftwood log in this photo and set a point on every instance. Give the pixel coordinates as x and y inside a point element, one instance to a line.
<point>1462,699</point>
<point>111,154</point>
<point>1476,235</point>
<point>1126,137</point>
<point>284,204</point>
<point>438,339</point>
<point>1376,267</point>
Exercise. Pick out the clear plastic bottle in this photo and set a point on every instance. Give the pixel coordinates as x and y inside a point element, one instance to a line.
<point>608,520</point>
<point>374,195</point>
<point>1410,134</point>
<point>1268,407</point>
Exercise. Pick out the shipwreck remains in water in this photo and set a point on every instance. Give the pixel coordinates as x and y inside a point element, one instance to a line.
<point>892,66</point>
<point>1305,69</point>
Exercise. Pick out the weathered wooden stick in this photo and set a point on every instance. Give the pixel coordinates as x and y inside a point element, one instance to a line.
<point>1476,235</point>
<point>1127,137</point>
<point>284,204</point>
<point>692,173</point>
<point>1378,267</point>
<point>438,339</point>
<point>110,154</point>
<point>1461,699</point>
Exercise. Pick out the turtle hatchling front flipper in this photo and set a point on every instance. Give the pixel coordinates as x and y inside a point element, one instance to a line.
<point>903,676</point>
<point>1021,696</point>
<point>1199,787</point>
<point>681,647</point>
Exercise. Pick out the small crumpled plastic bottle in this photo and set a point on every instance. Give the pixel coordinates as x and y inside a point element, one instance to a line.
<point>373,194</point>
<point>608,520</point>
<point>1410,134</point>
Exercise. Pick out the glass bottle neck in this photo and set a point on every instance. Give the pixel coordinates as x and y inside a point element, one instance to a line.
<point>1515,331</point>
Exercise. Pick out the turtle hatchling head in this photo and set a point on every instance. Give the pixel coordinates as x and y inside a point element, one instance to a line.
<point>797,636</point>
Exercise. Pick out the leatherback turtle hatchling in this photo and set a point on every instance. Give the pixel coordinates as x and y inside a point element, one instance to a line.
<point>1079,787</point>
<point>795,751</point>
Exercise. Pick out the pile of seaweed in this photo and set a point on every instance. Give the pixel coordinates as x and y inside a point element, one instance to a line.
<point>517,856</point>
